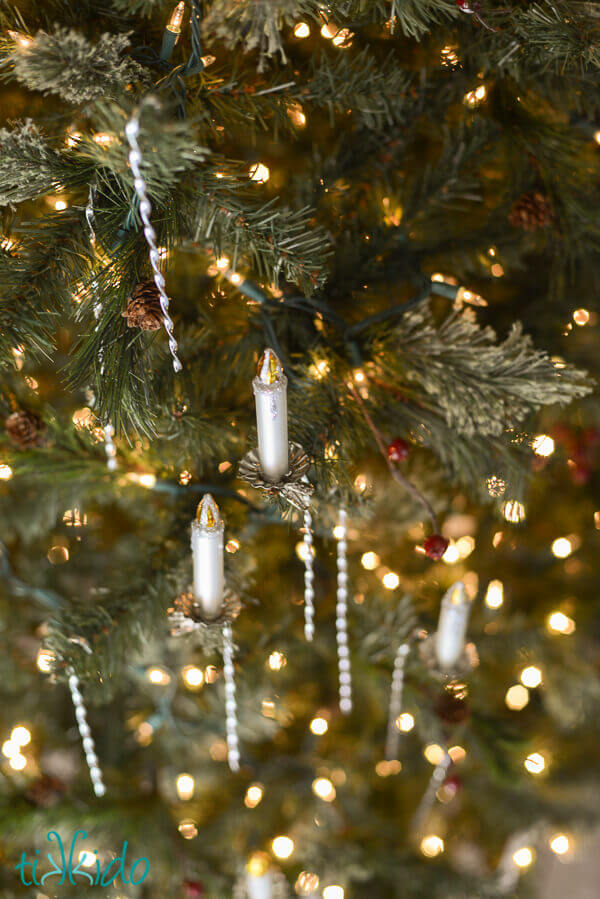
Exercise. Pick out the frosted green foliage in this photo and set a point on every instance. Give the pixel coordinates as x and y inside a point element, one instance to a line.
<point>482,386</point>
<point>27,165</point>
<point>258,23</point>
<point>63,62</point>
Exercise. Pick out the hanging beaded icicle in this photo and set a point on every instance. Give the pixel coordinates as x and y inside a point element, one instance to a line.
<point>233,752</point>
<point>109,431</point>
<point>435,782</point>
<point>86,735</point>
<point>132,129</point>
<point>309,576</point>
<point>393,734</point>
<point>341,616</point>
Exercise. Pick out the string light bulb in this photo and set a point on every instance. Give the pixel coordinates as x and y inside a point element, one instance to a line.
<point>523,857</point>
<point>562,547</point>
<point>535,763</point>
<point>517,697</point>
<point>254,795</point>
<point>282,847</point>
<point>543,445</point>
<point>560,844</point>
<point>176,20</point>
<point>260,173</point>
<point>185,786</point>
<point>20,736</point>
<point>301,30</point>
<point>432,845</point>
<point>405,722</point>
<point>324,789</point>
<point>494,596</point>
<point>559,623</point>
<point>531,676</point>
<point>333,892</point>
<point>319,726</point>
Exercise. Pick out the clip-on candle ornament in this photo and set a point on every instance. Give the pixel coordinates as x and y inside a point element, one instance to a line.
<point>452,627</point>
<point>446,652</point>
<point>278,467</point>
<point>132,130</point>
<point>209,608</point>
<point>261,880</point>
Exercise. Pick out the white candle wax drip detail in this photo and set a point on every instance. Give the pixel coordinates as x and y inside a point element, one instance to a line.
<point>341,618</point>
<point>270,394</point>
<point>452,626</point>
<point>207,551</point>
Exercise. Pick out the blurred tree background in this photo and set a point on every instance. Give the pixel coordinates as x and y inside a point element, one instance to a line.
<point>401,200</point>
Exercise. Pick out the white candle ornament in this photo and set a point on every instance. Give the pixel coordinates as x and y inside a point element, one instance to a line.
<point>207,551</point>
<point>86,736</point>
<point>341,617</point>
<point>309,577</point>
<point>259,876</point>
<point>452,626</point>
<point>270,393</point>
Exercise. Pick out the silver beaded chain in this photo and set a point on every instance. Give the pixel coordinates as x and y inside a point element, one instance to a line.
<point>341,617</point>
<point>426,804</point>
<point>132,129</point>
<point>231,723</point>
<point>392,741</point>
<point>309,577</point>
<point>109,431</point>
<point>86,735</point>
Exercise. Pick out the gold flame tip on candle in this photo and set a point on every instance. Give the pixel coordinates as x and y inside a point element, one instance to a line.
<point>258,864</point>
<point>270,369</point>
<point>207,512</point>
<point>177,18</point>
<point>457,596</point>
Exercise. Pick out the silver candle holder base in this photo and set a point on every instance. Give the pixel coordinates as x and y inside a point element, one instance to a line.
<point>467,661</point>
<point>186,617</point>
<point>293,486</point>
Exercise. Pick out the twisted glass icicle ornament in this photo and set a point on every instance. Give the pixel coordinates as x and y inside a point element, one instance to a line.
<point>132,130</point>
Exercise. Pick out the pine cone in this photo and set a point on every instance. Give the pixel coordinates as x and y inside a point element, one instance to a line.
<point>143,307</point>
<point>45,791</point>
<point>24,428</point>
<point>531,211</point>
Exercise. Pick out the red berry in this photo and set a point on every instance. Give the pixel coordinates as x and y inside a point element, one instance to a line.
<point>452,784</point>
<point>435,546</point>
<point>398,450</point>
<point>192,889</point>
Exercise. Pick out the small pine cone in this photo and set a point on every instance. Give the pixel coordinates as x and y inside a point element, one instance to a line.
<point>24,428</point>
<point>143,307</point>
<point>531,211</point>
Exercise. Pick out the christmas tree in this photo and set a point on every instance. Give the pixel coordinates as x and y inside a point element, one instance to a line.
<point>314,283</point>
